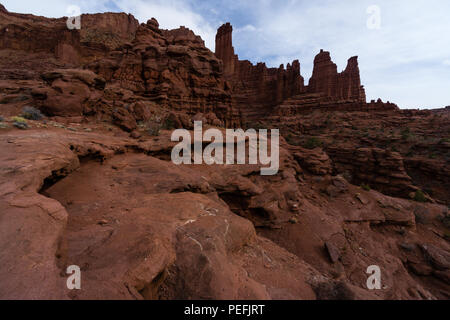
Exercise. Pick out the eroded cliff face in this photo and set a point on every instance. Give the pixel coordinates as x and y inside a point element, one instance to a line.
<point>99,33</point>
<point>169,67</point>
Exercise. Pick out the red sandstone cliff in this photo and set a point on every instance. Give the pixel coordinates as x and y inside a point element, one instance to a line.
<point>340,86</point>
<point>169,67</point>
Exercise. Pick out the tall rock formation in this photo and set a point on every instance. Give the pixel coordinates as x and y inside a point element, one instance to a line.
<point>256,88</point>
<point>172,68</point>
<point>350,82</point>
<point>339,86</point>
<point>99,34</point>
<point>225,49</point>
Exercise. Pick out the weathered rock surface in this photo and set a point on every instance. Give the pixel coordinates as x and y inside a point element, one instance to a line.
<point>127,249</point>
<point>170,67</point>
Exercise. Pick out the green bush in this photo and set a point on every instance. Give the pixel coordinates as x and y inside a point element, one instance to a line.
<point>313,143</point>
<point>153,129</point>
<point>420,196</point>
<point>366,187</point>
<point>410,154</point>
<point>20,125</point>
<point>32,113</point>
<point>292,140</point>
<point>447,235</point>
<point>19,120</point>
<point>406,134</point>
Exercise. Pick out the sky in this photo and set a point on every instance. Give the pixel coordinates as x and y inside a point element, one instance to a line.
<point>403,46</point>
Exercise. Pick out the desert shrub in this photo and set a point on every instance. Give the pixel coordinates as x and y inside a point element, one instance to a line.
<point>3,125</point>
<point>153,129</point>
<point>1,119</point>
<point>365,187</point>
<point>140,124</point>
<point>168,124</point>
<point>32,113</point>
<point>406,134</point>
<point>347,175</point>
<point>313,143</point>
<point>255,125</point>
<point>19,119</point>
<point>292,140</point>
<point>21,97</point>
<point>20,125</point>
<point>420,196</point>
<point>447,235</point>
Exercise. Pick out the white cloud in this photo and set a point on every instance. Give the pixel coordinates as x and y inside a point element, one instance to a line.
<point>52,8</point>
<point>247,28</point>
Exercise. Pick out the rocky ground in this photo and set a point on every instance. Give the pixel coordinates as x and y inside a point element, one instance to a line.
<point>86,177</point>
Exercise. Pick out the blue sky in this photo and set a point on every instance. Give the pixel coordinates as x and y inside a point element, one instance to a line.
<point>406,60</point>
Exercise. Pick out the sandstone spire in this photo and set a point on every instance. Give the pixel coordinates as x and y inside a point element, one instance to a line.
<point>224,48</point>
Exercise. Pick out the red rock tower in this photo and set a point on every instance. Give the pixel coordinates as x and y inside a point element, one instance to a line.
<point>340,86</point>
<point>225,50</point>
<point>350,82</point>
